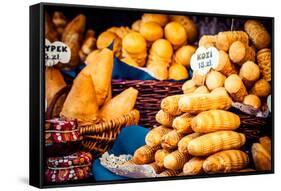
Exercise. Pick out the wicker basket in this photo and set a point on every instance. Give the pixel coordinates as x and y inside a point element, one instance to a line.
<point>151,92</point>
<point>99,137</point>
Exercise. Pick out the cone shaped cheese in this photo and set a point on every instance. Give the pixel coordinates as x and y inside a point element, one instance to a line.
<point>53,83</point>
<point>72,37</point>
<point>100,69</point>
<point>50,32</point>
<point>119,105</point>
<point>81,103</point>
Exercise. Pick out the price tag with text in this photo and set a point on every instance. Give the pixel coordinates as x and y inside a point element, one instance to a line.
<point>56,52</point>
<point>204,59</point>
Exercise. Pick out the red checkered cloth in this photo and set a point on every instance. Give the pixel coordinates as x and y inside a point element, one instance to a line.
<point>72,167</point>
<point>61,131</point>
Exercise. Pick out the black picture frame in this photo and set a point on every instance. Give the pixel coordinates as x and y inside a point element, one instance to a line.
<point>37,94</point>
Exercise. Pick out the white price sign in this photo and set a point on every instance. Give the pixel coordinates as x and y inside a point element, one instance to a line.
<point>204,59</point>
<point>56,52</point>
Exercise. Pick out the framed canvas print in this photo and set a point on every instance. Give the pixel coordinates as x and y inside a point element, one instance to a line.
<point>123,95</point>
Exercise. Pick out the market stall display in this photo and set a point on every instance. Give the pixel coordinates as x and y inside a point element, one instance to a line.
<point>193,91</point>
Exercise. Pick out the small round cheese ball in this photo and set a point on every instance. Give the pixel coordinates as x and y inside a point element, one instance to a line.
<point>214,80</point>
<point>178,72</point>
<point>249,71</point>
<point>252,100</point>
<point>161,19</point>
<point>162,48</point>
<point>134,42</point>
<point>237,51</point>
<point>233,83</point>
<point>261,88</point>
<point>184,54</point>
<point>175,33</point>
<point>151,31</point>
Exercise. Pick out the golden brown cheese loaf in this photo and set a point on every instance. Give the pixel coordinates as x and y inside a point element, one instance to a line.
<point>226,38</point>
<point>145,154</point>
<point>100,70</point>
<point>264,62</point>
<point>226,161</point>
<point>257,33</point>
<point>153,137</point>
<point>183,55</point>
<point>161,19</point>
<point>208,41</point>
<point>134,46</point>
<point>178,72</point>
<point>183,143</point>
<point>252,100</point>
<point>261,157</point>
<point>240,52</point>
<point>170,104</point>
<point>235,87</point>
<point>261,88</point>
<point>74,27</point>
<point>106,38</point>
<point>175,160</point>
<point>249,73</point>
<point>151,31</point>
<point>194,166</point>
<point>214,80</point>
<point>81,102</point>
<point>215,120</point>
<point>159,156</point>
<point>182,123</point>
<point>201,90</point>
<point>171,139</point>
<point>217,141</point>
<point>189,87</point>
<point>225,66</point>
<point>266,143</point>
<point>175,34</point>
<point>197,103</point>
<point>160,57</point>
<point>160,53</point>
<point>188,24</point>
<point>119,105</point>
<point>164,118</point>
